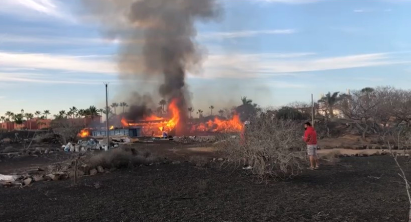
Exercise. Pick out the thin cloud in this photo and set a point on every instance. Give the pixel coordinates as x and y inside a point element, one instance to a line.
<point>52,40</point>
<point>34,8</point>
<point>260,65</point>
<point>233,66</point>
<point>243,34</point>
<point>59,40</point>
<point>56,62</point>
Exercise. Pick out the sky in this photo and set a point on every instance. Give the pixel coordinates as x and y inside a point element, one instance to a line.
<point>272,51</point>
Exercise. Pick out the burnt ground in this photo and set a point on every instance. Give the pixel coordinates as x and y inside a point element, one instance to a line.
<point>354,189</point>
<point>21,161</point>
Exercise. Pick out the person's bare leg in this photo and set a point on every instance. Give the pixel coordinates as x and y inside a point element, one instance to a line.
<point>312,162</point>
<point>317,162</point>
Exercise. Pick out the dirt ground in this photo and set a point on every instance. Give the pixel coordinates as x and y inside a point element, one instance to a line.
<point>354,189</point>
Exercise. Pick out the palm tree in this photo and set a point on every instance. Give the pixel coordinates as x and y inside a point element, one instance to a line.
<point>163,103</point>
<point>81,113</point>
<point>114,106</point>
<point>62,113</point>
<point>246,101</point>
<point>22,111</point>
<point>18,118</point>
<point>109,110</point>
<point>3,118</point>
<point>46,112</point>
<point>190,110</point>
<point>101,111</point>
<point>123,105</point>
<point>92,111</point>
<point>211,109</point>
<point>37,113</point>
<point>330,100</point>
<point>73,112</point>
<point>221,112</point>
<point>9,114</point>
<point>29,116</point>
<point>200,113</point>
<point>247,108</point>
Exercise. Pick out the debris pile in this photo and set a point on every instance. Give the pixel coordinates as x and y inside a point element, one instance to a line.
<point>195,139</point>
<point>54,172</point>
<point>93,144</point>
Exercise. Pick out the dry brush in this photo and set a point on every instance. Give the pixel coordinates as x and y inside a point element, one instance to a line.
<point>271,147</point>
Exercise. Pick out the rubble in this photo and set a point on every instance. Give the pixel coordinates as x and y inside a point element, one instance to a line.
<point>27,181</point>
<point>93,144</point>
<point>194,139</point>
<point>57,176</point>
<point>100,169</point>
<point>38,178</point>
<point>10,178</point>
<point>93,172</point>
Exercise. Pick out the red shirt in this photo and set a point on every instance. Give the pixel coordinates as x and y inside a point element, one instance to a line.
<point>310,136</point>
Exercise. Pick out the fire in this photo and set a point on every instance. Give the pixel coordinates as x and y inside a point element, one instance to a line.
<point>84,133</point>
<point>218,125</point>
<point>153,118</point>
<point>173,109</point>
<point>124,122</point>
<point>154,125</point>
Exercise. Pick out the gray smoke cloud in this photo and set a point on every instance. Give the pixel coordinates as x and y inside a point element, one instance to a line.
<point>156,39</point>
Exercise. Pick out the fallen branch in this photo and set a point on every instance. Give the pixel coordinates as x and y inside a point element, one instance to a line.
<point>402,175</point>
<point>407,186</point>
<point>32,139</point>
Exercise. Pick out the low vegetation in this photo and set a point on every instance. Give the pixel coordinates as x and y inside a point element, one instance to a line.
<point>269,146</point>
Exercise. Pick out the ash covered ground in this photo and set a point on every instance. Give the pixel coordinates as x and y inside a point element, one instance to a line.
<point>351,189</point>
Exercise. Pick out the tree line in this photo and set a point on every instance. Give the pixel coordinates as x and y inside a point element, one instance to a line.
<point>370,110</point>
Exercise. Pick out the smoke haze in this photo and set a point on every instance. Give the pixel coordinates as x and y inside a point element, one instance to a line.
<point>156,39</point>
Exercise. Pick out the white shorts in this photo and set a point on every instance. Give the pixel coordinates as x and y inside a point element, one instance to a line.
<point>312,150</point>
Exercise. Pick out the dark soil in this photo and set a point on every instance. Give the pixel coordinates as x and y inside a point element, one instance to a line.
<point>355,189</point>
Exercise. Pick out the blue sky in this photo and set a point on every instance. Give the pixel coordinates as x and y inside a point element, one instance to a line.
<point>272,51</point>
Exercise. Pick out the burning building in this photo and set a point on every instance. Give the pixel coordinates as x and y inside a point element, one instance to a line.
<point>156,42</point>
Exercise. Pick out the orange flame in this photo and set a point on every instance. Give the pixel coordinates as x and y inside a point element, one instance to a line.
<point>84,133</point>
<point>124,122</point>
<point>217,125</point>
<point>173,109</point>
<point>153,118</point>
<point>160,123</point>
<point>155,125</point>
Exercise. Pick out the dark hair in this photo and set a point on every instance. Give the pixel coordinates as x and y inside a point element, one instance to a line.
<point>307,123</point>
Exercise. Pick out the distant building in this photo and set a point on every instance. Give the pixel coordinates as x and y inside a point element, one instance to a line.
<point>7,126</point>
<point>38,124</point>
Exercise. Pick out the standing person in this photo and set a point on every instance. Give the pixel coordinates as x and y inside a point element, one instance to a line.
<point>310,137</point>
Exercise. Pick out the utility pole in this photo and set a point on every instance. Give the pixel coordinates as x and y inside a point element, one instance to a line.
<point>107,110</point>
<point>313,110</point>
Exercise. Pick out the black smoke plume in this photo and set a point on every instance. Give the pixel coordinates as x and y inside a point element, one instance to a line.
<point>157,39</point>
